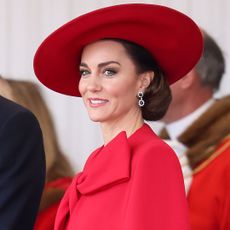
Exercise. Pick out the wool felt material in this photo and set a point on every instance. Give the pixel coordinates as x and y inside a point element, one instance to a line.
<point>172,38</point>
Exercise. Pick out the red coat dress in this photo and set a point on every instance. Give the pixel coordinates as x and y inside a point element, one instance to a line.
<point>131,183</point>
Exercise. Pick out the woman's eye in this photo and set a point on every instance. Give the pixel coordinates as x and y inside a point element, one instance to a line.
<point>109,72</point>
<point>83,73</point>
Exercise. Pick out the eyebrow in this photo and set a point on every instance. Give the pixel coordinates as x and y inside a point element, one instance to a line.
<point>101,64</point>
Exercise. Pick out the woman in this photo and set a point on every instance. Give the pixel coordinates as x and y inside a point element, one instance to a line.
<point>58,170</point>
<point>126,55</point>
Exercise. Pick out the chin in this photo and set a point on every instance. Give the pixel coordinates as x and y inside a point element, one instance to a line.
<point>98,115</point>
<point>96,118</point>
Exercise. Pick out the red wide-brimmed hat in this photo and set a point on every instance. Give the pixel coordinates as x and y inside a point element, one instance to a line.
<point>171,37</point>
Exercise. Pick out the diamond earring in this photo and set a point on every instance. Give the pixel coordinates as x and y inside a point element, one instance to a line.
<point>141,102</point>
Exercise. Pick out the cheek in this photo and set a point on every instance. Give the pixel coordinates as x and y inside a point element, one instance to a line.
<point>81,87</point>
<point>122,93</point>
<point>116,91</point>
<point>124,85</point>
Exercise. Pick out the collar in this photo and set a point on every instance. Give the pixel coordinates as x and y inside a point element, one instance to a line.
<point>108,165</point>
<point>111,164</point>
<point>175,129</point>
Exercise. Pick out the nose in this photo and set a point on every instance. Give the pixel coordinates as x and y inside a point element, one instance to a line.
<point>94,83</point>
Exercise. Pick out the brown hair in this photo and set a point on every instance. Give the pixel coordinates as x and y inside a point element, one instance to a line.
<point>28,95</point>
<point>157,96</point>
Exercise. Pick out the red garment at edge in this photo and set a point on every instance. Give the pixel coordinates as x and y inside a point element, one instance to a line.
<point>46,217</point>
<point>131,183</point>
<point>209,196</point>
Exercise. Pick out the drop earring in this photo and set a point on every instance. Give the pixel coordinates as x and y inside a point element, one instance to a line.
<point>141,102</point>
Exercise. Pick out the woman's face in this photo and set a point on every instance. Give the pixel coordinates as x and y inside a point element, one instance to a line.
<point>109,82</point>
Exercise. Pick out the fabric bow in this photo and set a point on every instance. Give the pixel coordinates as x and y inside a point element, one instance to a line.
<point>107,166</point>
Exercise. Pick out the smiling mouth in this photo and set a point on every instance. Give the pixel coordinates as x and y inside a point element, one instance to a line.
<point>95,102</point>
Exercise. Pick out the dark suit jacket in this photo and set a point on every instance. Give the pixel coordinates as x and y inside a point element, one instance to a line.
<point>22,166</point>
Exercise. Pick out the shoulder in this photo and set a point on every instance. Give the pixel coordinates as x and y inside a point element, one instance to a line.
<point>7,106</point>
<point>13,114</point>
<point>157,152</point>
<point>218,162</point>
<point>148,145</point>
<point>150,150</point>
<point>20,133</point>
<point>156,167</point>
<point>19,130</point>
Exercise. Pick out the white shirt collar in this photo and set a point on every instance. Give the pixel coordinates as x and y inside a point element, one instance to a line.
<point>175,129</point>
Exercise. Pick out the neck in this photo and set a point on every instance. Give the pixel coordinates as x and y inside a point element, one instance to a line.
<point>186,107</point>
<point>177,128</point>
<point>129,123</point>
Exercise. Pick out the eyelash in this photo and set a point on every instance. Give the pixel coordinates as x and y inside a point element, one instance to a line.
<point>85,72</point>
<point>112,72</point>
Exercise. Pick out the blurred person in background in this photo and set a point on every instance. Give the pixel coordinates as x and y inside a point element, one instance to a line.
<point>22,164</point>
<point>58,170</point>
<point>201,123</point>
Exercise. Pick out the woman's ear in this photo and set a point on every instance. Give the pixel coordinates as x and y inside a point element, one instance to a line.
<point>146,79</point>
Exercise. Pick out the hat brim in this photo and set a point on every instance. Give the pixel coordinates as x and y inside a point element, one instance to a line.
<point>174,40</point>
